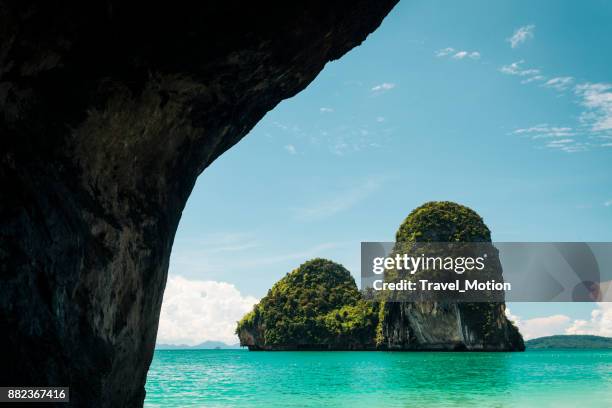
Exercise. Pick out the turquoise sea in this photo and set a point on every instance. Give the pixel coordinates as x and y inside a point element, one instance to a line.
<point>239,378</point>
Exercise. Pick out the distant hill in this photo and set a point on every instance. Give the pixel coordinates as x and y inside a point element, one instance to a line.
<point>207,345</point>
<point>570,341</point>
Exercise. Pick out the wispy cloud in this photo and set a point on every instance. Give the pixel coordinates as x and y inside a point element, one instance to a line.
<point>339,139</point>
<point>521,35</point>
<point>545,131</point>
<point>567,145</point>
<point>300,255</point>
<point>385,86</point>
<point>555,137</point>
<point>559,83</point>
<point>596,98</point>
<point>342,201</point>
<point>326,110</point>
<point>533,79</point>
<point>457,54</point>
<point>344,139</point>
<point>595,127</point>
<point>219,256</point>
<point>560,141</point>
<point>517,69</point>
<point>444,52</point>
<point>466,54</point>
<point>220,242</point>
<point>608,203</point>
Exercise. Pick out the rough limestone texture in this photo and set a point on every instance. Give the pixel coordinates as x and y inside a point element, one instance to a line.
<point>438,325</point>
<point>108,113</point>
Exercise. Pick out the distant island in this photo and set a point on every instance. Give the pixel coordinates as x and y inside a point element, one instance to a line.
<point>570,341</point>
<point>207,345</point>
<point>318,306</point>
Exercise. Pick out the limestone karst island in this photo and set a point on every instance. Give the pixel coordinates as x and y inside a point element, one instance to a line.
<point>319,307</point>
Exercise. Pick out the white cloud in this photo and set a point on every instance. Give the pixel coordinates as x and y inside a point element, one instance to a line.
<point>459,54</point>
<point>540,326</point>
<point>559,83</point>
<point>608,203</point>
<point>385,86</point>
<point>544,326</point>
<point>533,79</point>
<point>521,35</point>
<point>339,139</point>
<point>595,125</point>
<point>563,138</point>
<point>600,323</point>
<point>568,145</point>
<point>464,54</point>
<point>444,52</point>
<point>342,201</point>
<point>545,131</point>
<point>597,99</point>
<point>514,318</point>
<point>326,110</point>
<point>380,119</point>
<point>559,142</point>
<point>195,311</point>
<point>516,69</point>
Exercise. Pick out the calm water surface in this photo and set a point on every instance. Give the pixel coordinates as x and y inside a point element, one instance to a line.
<point>238,378</point>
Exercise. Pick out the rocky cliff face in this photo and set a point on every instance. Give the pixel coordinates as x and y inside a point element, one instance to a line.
<point>439,325</point>
<point>449,327</point>
<point>108,113</point>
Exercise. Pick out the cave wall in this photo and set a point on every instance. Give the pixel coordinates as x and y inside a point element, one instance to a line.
<point>108,113</point>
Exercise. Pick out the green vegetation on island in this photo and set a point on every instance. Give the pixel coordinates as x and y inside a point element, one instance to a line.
<point>315,306</point>
<point>318,305</point>
<point>570,341</point>
<point>443,221</point>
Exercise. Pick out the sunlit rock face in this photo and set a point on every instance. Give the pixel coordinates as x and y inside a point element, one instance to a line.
<point>440,325</point>
<point>108,113</point>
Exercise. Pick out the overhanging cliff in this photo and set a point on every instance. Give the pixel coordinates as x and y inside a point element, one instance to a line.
<point>108,113</point>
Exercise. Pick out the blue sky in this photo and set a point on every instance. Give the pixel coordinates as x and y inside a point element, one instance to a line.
<point>505,107</point>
